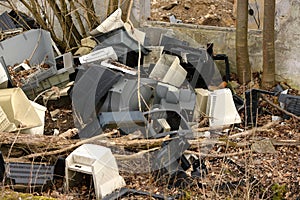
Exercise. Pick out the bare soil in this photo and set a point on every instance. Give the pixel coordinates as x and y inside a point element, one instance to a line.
<point>208,12</point>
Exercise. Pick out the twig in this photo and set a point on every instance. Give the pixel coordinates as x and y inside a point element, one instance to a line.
<point>251,131</point>
<point>277,107</point>
<point>218,155</point>
<point>71,146</point>
<point>136,155</point>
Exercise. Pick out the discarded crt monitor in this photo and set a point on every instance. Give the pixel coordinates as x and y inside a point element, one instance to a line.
<point>119,38</point>
<point>36,47</point>
<point>98,162</point>
<point>91,87</point>
<point>200,67</point>
<point>27,174</point>
<point>169,70</point>
<point>291,103</point>
<point>19,111</point>
<point>221,109</point>
<point>123,95</point>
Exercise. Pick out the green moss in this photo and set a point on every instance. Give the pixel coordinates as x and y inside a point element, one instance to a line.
<point>279,191</point>
<point>11,195</point>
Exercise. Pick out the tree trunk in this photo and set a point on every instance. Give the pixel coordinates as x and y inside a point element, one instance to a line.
<point>242,55</point>
<point>268,78</point>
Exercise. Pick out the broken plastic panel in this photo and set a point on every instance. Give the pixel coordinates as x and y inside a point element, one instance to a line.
<point>112,22</point>
<point>201,102</point>
<point>89,91</point>
<point>3,77</point>
<point>19,111</point>
<point>64,63</point>
<point>135,33</point>
<point>221,109</point>
<point>169,70</point>
<point>99,55</point>
<point>291,104</point>
<point>152,58</point>
<point>41,111</point>
<point>97,161</point>
<point>127,121</point>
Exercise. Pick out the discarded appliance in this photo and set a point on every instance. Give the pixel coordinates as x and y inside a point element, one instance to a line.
<point>99,55</point>
<point>171,161</point>
<point>41,111</point>
<point>201,70</point>
<point>127,121</point>
<point>112,22</point>
<point>125,46</point>
<point>33,175</point>
<point>65,68</point>
<point>135,33</point>
<point>162,122</point>
<point>89,91</point>
<point>19,110</point>
<point>221,109</point>
<point>123,96</point>
<point>182,100</point>
<point>152,58</point>
<point>252,101</point>
<point>98,162</point>
<point>201,102</point>
<point>36,47</point>
<point>291,103</point>
<point>169,70</point>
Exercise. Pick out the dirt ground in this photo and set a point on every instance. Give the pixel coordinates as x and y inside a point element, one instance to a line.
<point>208,12</point>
